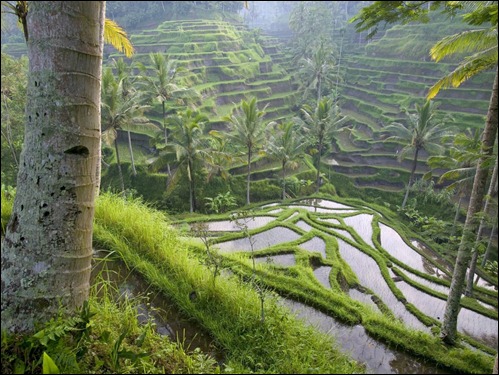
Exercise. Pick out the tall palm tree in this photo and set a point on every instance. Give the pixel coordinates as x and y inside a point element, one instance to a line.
<point>188,143</point>
<point>247,129</point>
<point>120,113</point>
<point>317,72</point>
<point>460,164</point>
<point>163,85</point>
<point>486,212</point>
<point>481,44</point>
<point>287,145</point>
<point>220,156</point>
<point>125,75</point>
<point>423,131</point>
<point>51,223</point>
<point>322,123</point>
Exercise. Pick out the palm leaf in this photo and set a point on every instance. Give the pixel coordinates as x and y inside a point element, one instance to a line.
<point>116,36</point>
<point>464,42</point>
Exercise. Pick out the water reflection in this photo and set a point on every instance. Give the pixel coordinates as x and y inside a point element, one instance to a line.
<point>480,327</point>
<point>168,319</point>
<point>354,341</point>
<point>316,244</point>
<point>369,275</point>
<point>322,274</point>
<point>303,225</point>
<point>395,246</point>
<point>324,203</point>
<point>362,225</point>
<point>286,260</point>
<point>250,223</point>
<point>262,240</point>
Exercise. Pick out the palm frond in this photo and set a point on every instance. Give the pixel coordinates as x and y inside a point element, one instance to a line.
<point>469,41</point>
<point>470,67</point>
<point>117,37</point>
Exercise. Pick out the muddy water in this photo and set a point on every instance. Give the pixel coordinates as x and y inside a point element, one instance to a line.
<point>238,225</point>
<point>169,320</point>
<point>378,358</point>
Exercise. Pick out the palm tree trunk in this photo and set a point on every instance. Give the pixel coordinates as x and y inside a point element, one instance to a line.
<point>489,246</point>
<point>456,216</point>
<point>166,136</point>
<point>120,172</point>
<point>449,325</point>
<point>318,177</point>
<point>134,171</point>
<point>192,197</point>
<point>248,177</point>
<point>47,250</point>
<point>414,164</point>
<point>283,180</point>
<point>474,257</point>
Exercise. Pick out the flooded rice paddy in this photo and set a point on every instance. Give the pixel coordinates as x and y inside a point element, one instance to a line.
<point>368,264</point>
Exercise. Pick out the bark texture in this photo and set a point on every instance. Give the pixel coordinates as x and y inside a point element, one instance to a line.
<point>449,325</point>
<point>47,250</point>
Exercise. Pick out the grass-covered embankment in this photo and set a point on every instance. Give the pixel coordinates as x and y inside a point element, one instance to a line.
<point>226,307</point>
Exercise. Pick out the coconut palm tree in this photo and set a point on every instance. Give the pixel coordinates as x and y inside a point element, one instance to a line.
<point>317,72</point>
<point>163,85</point>
<point>322,124</point>
<point>51,223</point>
<point>188,144</point>
<point>460,165</point>
<point>121,113</point>
<point>220,156</point>
<point>125,75</point>
<point>481,45</point>
<point>423,131</point>
<point>247,129</point>
<point>287,145</point>
<point>474,252</point>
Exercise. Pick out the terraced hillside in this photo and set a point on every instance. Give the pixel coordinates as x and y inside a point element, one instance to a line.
<point>223,62</point>
<point>383,78</point>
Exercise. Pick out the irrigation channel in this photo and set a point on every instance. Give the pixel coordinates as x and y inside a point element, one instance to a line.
<point>305,225</point>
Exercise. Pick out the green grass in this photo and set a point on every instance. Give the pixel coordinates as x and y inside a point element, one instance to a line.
<point>227,308</point>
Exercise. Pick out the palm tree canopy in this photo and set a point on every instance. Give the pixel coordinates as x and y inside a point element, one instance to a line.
<point>246,125</point>
<point>480,43</point>
<point>119,112</point>
<point>322,122</point>
<point>286,144</point>
<point>460,160</point>
<point>422,131</point>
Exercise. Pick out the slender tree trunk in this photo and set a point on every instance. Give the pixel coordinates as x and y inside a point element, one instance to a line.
<point>134,171</point>
<point>318,177</point>
<point>248,177</point>
<point>414,164</point>
<point>120,172</point>
<point>283,180</point>
<point>494,370</point>
<point>449,325</point>
<point>192,196</point>
<point>47,249</point>
<point>474,257</point>
<point>166,137</point>
<point>319,89</point>
<point>489,246</point>
<point>456,216</point>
